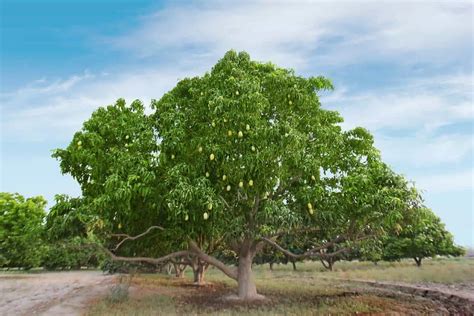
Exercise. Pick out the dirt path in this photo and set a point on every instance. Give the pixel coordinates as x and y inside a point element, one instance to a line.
<point>456,299</point>
<point>55,293</point>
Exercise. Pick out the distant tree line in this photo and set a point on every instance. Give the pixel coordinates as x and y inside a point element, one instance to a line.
<point>63,238</point>
<point>30,237</point>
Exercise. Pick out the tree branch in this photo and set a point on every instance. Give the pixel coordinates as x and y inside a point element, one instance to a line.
<point>316,251</point>
<point>301,230</point>
<point>146,259</point>
<point>127,237</point>
<point>231,273</point>
<point>307,254</point>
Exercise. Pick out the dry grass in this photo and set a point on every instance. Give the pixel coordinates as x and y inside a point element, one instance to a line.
<point>308,291</point>
<point>446,271</point>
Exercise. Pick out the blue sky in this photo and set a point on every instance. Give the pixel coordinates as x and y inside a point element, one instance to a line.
<point>404,70</point>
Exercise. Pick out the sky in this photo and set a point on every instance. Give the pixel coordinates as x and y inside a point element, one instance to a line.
<point>402,69</point>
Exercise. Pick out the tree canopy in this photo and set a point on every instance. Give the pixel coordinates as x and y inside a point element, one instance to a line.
<point>234,159</point>
<point>21,230</point>
<point>422,235</point>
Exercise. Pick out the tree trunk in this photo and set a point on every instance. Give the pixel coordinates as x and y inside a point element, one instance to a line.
<point>418,261</point>
<point>179,270</point>
<point>245,278</point>
<point>168,269</point>
<point>247,288</point>
<point>294,265</point>
<point>271,266</point>
<point>324,263</point>
<point>330,262</point>
<point>199,271</point>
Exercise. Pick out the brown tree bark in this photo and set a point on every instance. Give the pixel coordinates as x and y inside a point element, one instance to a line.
<point>245,278</point>
<point>199,269</point>
<point>327,263</point>
<point>418,261</point>
<point>294,264</point>
<point>179,269</point>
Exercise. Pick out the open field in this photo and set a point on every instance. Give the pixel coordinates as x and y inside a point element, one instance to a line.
<point>307,291</point>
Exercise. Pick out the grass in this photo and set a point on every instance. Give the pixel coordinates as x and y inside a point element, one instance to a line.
<point>310,290</point>
<point>446,271</point>
<point>176,297</point>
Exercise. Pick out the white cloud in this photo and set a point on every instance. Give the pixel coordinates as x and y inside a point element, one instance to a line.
<point>425,151</point>
<point>291,33</point>
<point>425,110</point>
<point>446,182</point>
<point>414,122</point>
<point>55,110</point>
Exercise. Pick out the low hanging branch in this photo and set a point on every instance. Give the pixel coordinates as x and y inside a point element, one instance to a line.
<point>231,273</point>
<point>316,252</point>
<point>147,259</point>
<point>312,253</point>
<point>128,237</point>
<point>194,250</point>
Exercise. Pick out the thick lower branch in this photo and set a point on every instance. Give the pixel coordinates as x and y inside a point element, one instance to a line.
<point>147,259</point>
<point>231,273</point>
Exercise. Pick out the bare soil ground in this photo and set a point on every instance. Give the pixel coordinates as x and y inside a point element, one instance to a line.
<point>451,299</point>
<point>53,293</point>
<point>75,293</point>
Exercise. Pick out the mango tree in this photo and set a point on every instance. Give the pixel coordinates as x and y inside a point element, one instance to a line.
<point>234,160</point>
<point>422,235</point>
<point>270,160</point>
<point>114,157</point>
<point>21,230</point>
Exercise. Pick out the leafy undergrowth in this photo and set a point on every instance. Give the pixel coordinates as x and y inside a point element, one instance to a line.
<point>285,295</point>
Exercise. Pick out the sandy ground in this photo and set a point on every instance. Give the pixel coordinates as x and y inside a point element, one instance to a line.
<point>55,293</point>
<point>72,293</point>
<point>462,290</point>
<point>455,299</point>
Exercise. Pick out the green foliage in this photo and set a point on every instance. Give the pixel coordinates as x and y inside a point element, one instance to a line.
<point>252,140</point>
<point>243,152</point>
<point>73,253</point>
<point>115,160</point>
<point>68,238</point>
<point>68,218</point>
<point>21,230</point>
<point>422,235</point>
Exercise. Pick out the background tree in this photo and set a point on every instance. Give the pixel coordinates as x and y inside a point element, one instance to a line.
<point>67,218</point>
<point>422,235</point>
<point>21,243</point>
<point>114,158</point>
<point>68,236</point>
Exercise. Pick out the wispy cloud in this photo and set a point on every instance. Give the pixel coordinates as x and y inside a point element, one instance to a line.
<point>447,182</point>
<point>291,33</point>
<point>423,104</point>
<point>54,110</point>
<point>422,126</point>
